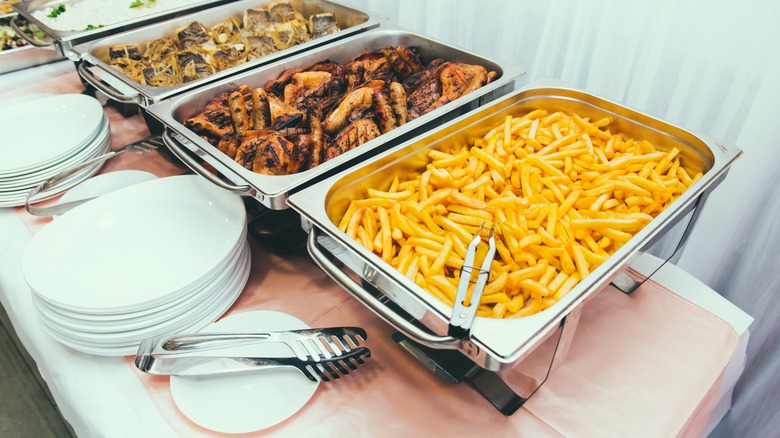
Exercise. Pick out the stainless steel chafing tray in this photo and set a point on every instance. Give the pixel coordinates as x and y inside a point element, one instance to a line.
<point>64,41</point>
<point>272,191</point>
<point>494,344</point>
<point>24,57</point>
<point>95,53</point>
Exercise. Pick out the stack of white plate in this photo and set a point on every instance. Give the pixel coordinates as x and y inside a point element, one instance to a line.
<point>46,135</point>
<point>160,257</point>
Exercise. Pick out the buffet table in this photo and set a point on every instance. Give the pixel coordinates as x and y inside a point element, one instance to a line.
<point>659,362</point>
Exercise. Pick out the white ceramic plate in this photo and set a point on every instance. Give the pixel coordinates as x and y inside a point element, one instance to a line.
<point>46,129</point>
<point>135,248</point>
<point>106,183</point>
<point>249,401</point>
<point>82,154</point>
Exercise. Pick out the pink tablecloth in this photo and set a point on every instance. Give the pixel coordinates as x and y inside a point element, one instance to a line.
<point>646,364</point>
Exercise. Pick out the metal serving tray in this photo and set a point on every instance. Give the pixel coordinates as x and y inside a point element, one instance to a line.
<point>24,57</point>
<point>272,191</point>
<point>95,52</point>
<point>63,41</point>
<point>494,344</point>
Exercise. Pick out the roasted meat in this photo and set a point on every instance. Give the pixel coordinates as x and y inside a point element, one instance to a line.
<point>125,51</point>
<point>193,35</point>
<point>194,64</point>
<point>311,114</point>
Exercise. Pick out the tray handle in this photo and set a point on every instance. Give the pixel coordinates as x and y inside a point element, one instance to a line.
<point>48,42</point>
<point>106,89</point>
<point>408,329</point>
<point>178,150</point>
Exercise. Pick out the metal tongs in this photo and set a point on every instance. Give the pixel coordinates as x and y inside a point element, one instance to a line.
<point>463,315</point>
<point>320,354</point>
<point>53,186</point>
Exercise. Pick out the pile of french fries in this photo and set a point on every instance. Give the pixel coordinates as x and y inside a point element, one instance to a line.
<point>562,191</point>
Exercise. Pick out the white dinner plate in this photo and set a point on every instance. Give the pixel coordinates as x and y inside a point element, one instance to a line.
<point>135,248</point>
<point>248,401</point>
<point>106,183</point>
<point>79,155</point>
<point>46,129</point>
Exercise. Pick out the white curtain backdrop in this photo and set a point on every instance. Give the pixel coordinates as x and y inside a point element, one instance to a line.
<point>711,66</point>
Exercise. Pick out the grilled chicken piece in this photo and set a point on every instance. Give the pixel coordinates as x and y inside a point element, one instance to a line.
<point>424,97</point>
<point>215,119</point>
<point>373,65</point>
<point>381,104</point>
<point>277,85</point>
<point>414,81</point>
<point>459,79</point>
<point>411,58</point>
<point>313,91</point>
<point>192,35</point>
<point>322,24</point>
<point>264,152</point>
<point>317,140</point>
<point>267,152</point>
<point>403,61</point>
<point>337,119</point>
<point>357,133</point>
<point>280,110</point>
<point>398,102</point>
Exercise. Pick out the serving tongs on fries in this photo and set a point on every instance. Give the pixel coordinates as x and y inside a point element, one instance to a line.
<point>463,314</point>
<point>320,354</point>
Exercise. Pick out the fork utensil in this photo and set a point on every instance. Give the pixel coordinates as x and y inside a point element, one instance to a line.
<point>41,191</point>
<point>308,344</point>
<point>178,364</point>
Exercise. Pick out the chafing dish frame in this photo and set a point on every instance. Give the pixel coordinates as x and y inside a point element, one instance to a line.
<point>64,41</point>
<point>23,57</point>
<point>272,191</point>
<point>496,345</point>
<point>119,87</point>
